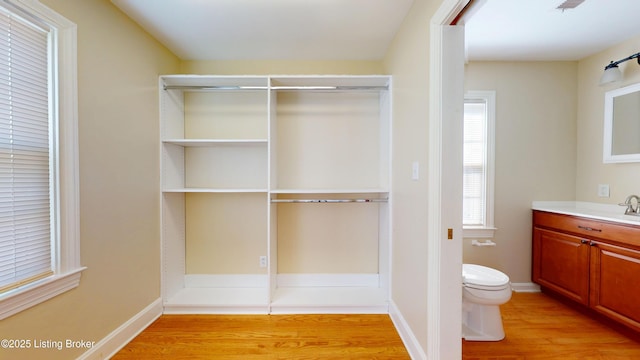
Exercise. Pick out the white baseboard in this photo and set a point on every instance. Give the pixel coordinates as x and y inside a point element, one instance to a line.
<point>408,338</point>
<point>525,287</point>
<point>121,336</point>
<point>328,280</point>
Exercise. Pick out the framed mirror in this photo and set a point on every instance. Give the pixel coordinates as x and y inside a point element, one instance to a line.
<point>622,125</point>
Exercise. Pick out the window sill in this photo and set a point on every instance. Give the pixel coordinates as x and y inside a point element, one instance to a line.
<point>33,294</point>
<point>478,232</point>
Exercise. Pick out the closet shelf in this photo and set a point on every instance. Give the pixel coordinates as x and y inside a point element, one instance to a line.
<point>212,190</point>
<point>215,142</point>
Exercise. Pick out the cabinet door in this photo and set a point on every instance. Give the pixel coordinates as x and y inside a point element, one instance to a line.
<point>561,264</point>
<point>614,279</point>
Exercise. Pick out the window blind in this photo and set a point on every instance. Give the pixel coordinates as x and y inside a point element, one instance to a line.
<point>475,165</point>
<point>25,176</point>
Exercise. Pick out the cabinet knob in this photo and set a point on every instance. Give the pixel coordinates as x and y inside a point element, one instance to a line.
<point>584,241</point>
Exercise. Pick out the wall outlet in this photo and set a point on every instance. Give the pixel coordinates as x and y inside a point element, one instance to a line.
<point>603,190</point>
<point>263,261</point>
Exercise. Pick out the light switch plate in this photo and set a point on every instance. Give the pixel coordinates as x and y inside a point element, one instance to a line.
<point>415,170</point>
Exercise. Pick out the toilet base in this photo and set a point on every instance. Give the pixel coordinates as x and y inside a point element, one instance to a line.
<point>481,322</point>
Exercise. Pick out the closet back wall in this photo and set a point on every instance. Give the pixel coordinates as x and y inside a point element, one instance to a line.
<point>305,244</point>
<point>225,233</point>
<point>321,146</point>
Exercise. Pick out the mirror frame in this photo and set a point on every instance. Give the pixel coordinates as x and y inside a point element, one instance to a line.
<point>608,157</point>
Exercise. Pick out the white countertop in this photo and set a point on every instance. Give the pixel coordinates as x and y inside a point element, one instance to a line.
<point>589,210</point>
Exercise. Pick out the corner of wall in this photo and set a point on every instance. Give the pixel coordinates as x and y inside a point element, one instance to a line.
<point>404,330</point>
<point>117,339</point>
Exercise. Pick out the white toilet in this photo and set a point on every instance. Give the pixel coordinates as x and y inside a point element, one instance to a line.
<point>483,291</point>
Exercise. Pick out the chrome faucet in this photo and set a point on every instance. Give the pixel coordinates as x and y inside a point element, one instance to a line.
<point>633,207</point>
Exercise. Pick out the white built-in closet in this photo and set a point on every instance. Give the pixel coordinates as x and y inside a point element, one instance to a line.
<point>275,193</point>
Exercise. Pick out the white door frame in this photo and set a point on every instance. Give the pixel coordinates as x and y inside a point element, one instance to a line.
<point>444,256</point>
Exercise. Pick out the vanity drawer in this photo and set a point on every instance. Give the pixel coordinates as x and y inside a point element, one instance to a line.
<point>590,228</point>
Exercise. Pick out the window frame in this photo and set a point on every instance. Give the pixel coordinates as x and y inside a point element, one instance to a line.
<point>487,230</point>
<point>66,244</point>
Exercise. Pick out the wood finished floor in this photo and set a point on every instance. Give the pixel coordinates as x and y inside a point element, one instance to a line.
<point>267,337</point>
<point>540,327</point>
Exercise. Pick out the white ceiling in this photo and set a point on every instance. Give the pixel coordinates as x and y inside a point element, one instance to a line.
<point>536,30</point>
<point>363,29</point>
<point>271,29</point>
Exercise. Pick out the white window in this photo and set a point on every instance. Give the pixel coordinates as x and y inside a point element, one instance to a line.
<point>479,123</point>
<point>39,234</point>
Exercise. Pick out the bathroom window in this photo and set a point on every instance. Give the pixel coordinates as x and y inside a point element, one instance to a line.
<point>478,159</point>
<point>39,244</point>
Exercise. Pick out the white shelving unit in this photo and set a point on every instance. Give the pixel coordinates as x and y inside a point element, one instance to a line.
<point>291,169</point>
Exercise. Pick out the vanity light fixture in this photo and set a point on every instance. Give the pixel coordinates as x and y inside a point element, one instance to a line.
<point>612,73</point>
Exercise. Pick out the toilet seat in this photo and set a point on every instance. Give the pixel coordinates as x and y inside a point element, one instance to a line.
<point>485,288</point>
<point>483,278</point>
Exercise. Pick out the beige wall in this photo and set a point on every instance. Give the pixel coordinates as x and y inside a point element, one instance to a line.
<point>283,67</point>
<point>623,179</point>
<point>535,152</point>
<point>225,233</point>
<point>408,61</point>
<point>118,68</point>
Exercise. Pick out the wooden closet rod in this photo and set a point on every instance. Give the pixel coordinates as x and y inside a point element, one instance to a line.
<point>307,201</point>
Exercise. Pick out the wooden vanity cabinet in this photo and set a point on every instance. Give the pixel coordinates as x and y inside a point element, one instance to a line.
<point>594,263</point>
<point>561,263</point>
<point>614,290</point>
